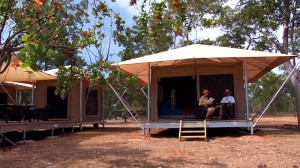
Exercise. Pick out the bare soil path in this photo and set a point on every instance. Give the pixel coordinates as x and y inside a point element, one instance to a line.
<point>276,143</point>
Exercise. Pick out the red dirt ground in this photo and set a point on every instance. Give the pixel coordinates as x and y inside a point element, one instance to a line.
<point>274,144</point>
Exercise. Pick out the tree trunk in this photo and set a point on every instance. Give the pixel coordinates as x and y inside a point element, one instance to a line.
<point>295,78</point>
<point>296,83</point>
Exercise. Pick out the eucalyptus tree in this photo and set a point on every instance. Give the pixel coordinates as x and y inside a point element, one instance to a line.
<point>51,34</point>
<point>41,31</point>
<point>255,24</point>
<point>162,25</point>
<point>265,87</point>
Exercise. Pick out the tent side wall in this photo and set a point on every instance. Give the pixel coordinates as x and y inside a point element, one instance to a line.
<point>73,100</point>
<point>169,71</point>
<point>11,91</point>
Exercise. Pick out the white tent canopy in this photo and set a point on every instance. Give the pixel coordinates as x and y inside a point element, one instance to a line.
<point>15,72</point>
<point>53,72</point>
<point>19,86</point>
<point>258,62</point>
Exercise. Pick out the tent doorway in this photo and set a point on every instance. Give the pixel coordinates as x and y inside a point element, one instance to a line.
<point>216,84</point>
<point>57,107</point>
<point>3,98</point>
<point>176,97</point>
<point>92,102</point>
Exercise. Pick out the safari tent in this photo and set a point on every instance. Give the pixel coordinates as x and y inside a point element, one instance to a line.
<point>81,105</point>
<point>70,108</point>
<point>176,78</point>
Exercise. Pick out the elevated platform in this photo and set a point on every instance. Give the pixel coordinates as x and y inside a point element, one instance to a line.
<point>35,126</point>
<point>209,124</point>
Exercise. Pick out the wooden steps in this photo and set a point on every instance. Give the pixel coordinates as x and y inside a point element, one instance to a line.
<point>189,130</point>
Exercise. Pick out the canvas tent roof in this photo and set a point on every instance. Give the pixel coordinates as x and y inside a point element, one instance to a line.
<point>19,86</point>
<point>53,72</point>
<point>15,72</point>
<point>258,62</point>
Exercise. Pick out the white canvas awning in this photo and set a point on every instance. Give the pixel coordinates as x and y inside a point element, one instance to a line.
<point>19,86</point>
<point>53,72</point>
<point>258,62</point>
<point>15,72</point>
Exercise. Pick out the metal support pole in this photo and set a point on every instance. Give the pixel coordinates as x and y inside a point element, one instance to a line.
<point>80,104</point>
<point>116,104</point>
<point>149,96</point>
<point>24,135</point>
<point>275,95</point>
<point>8,94</point>
<point>17,100</point>
<point>19,97</point>
<point>246,89</point>
<point>124,104</point>
<point>142,88</point>
<point>6,139</point>
<point>32,93</point>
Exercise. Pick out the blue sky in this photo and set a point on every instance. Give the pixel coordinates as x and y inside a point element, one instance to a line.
<point>127,12</point>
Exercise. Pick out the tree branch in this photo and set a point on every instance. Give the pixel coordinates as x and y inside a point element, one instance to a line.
<point>8,63</point>
<point>278,46</point>
<point>5,18</point>
<point>61,47</point>
<point>293,29</point>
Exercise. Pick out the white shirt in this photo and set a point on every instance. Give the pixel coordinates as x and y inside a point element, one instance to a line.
<point>228,99</point>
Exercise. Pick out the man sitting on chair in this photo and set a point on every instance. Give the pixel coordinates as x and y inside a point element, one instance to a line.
<point>226,102</point>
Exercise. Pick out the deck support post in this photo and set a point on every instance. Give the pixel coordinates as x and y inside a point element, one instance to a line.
<point>52,131</point>
<point>62,130</point>
<point>23,135</point>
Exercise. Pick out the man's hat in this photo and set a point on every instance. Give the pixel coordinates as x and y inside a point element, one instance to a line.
<point>227,91</point>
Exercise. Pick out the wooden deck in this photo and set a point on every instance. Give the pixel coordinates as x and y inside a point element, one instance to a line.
<point>210,124</point>
<point>35,126</point>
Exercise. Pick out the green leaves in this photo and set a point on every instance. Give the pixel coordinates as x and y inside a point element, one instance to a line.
<point>265,88</point>
<point>26,37</point>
